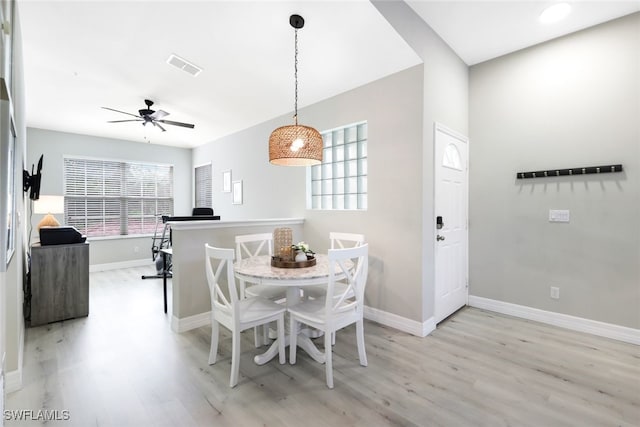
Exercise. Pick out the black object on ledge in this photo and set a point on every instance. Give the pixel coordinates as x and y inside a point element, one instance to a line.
<point>198,214</point>
<point>202,211</point>
<point>569,172</point>
<point>191,218</point>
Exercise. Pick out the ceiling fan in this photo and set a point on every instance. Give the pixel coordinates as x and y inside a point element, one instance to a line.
<point>147,115</point>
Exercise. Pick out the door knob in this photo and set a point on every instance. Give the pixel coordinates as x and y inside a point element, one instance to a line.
<point>439,238</point>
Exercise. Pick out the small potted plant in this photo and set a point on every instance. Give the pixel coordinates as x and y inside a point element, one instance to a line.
<point>302,251</point>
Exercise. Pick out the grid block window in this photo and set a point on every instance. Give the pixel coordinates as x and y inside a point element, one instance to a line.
<point>115,198</point>
<point>203,186</point>
<point>340,182</point>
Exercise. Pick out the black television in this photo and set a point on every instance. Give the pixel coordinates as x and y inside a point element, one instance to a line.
<point>32,182</point>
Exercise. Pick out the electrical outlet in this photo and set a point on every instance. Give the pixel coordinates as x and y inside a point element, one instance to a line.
<point>559,215</point>
<point>555,292</point>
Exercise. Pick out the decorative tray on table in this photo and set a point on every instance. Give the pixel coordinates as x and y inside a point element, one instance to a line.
<point>281,263</point>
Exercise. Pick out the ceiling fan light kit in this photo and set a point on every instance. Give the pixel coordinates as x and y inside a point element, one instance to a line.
<point>147,115</point>
<point>295,145</point>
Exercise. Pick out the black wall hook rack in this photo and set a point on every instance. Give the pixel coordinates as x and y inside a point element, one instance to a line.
<point>568,172</point>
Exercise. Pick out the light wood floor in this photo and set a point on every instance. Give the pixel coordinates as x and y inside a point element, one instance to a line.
<point>122,366</point>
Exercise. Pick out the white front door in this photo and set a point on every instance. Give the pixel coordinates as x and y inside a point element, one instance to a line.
<point>451,210</point>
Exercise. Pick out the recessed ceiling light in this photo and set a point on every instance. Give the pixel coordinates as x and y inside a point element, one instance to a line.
<point>555,13</point>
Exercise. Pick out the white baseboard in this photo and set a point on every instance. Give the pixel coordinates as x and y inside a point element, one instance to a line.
<point>191,322</point>
<point>607,330</point>
<point>400,323</point>
<point>13,381</point>
<point>384,318</point>
<point>122,264</point>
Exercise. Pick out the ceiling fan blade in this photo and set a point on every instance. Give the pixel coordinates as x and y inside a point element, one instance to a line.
<point>169,122</point>
<point>118,111</point>
<point>158,114</point>
<point>120,121</point>
<point>156,124</point>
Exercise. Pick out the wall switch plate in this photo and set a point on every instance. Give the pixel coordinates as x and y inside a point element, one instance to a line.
<point>555,292</point>
<point>559,215</point>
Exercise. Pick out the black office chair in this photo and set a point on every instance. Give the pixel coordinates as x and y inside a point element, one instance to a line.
<point>202,211</point>
<point>158,243</point>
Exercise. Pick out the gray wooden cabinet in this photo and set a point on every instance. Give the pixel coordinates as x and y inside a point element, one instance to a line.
<point>59,282</point>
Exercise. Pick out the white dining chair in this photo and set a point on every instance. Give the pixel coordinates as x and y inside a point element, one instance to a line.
<point>250,245</point>
<point>234,313</point>
<point>336,310</point>
<point>338,241</point>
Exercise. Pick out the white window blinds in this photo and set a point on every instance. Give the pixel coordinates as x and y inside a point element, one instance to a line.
<point>111,198</point>
<point>203,191</point>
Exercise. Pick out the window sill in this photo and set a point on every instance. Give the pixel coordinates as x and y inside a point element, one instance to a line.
<point>120,237</point>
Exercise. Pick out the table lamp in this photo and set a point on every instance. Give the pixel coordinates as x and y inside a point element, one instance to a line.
<point>49,205</point>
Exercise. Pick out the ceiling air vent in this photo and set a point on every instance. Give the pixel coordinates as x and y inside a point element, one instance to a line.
<point>184,65</point>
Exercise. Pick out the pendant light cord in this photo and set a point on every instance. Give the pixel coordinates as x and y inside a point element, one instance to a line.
<point>295,74</point>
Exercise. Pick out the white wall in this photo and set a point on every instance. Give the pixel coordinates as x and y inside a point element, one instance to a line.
<point>268,191</point>
<point>399,223</point>
<point>54,145</point>
<point>571,102</point>
<point>445,94</point>
<point>11,281</point>
<point>393,108</point>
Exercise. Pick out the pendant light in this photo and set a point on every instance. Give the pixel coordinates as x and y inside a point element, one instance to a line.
<point>295,145</point>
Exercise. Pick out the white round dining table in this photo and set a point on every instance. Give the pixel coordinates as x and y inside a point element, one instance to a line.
<point>258,270</point>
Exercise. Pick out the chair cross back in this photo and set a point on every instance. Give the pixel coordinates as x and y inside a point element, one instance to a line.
<point>354,277</point>
<point>226,260</point>
<point>338,303</point>
<point>243,250</point>
<point>339,240</point>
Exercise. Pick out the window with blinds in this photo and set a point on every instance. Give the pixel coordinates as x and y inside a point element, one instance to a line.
<point>114,198</point>
<point>340,181</point>
<point>203,191</point>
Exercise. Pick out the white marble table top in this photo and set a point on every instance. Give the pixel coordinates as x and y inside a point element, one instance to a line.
<point>260,268</point>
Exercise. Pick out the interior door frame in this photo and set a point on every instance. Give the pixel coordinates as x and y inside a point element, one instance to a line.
<point>436,163</point>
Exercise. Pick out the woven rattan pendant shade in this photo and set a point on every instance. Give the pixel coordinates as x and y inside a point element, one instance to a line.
<point>295,145</point>
<point>285,151</point>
